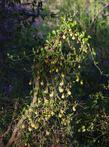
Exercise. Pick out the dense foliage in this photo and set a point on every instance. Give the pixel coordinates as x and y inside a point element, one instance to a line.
<point>54,76</point>
<point>58,70</point>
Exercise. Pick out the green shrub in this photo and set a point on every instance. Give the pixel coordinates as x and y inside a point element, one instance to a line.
<point>52,118</point>
<point>92,16</point>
